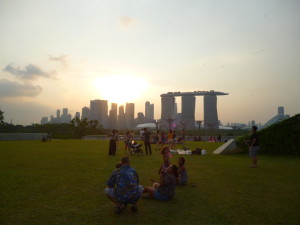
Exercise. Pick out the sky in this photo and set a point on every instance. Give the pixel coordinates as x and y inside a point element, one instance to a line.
<point>58,54</point>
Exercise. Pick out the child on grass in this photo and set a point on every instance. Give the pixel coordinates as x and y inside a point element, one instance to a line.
<point>183,176</point>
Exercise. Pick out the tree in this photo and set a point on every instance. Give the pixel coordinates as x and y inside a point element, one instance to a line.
<point>1,117</point>
<point>93,123</point>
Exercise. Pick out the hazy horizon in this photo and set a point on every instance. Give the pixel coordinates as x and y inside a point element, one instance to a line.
<point>62,54</point>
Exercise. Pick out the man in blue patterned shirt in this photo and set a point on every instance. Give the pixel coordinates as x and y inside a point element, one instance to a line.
<point>123,186</point>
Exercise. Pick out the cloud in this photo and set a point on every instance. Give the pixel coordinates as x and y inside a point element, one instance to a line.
<point>15,89</point>
<point>31,72</point>
<point>61,59</point>
<point>127,22</point>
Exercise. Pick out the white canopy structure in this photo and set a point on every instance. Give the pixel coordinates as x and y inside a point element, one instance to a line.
<point>146,125</point>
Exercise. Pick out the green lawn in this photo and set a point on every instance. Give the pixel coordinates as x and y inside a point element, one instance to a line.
<point>62,182</point>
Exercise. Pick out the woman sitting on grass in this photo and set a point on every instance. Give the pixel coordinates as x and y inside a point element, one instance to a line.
<point>166,158</point>
<point>182,174</point>
<point>165,188</point>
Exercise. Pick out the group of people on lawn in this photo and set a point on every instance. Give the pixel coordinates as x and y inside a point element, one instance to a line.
<point>123,185</point>
<point>160,139</point>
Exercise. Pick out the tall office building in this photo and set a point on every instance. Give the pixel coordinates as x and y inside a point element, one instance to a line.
<point>175,109</point>
<point>99,111</point>
<point>167,107</point>
<point>149,112</point>
<point>85,113</point>
<point>140,118</point>
<point>121,118</point>
<point>281,110</point>
<point>104,113</point>
<point>129,116</point>
<point>77,115</point>
<point>64,116</point>
<point>211,121</point>
<point>58,114</point>
<point>167,110</point>
<point>113,116</point>
<point>44,120</point>
<point>95,110</point>
<point>188,104</point>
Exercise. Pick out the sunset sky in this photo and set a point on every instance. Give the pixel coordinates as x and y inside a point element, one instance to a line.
<point>58,54</point>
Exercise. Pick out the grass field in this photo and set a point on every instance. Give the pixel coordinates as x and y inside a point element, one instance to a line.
<point>62,182</point>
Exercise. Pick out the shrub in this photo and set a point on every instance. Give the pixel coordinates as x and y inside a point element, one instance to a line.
<point>280,138</point>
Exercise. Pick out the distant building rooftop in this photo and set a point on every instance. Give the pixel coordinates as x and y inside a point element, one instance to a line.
<point>195,93</point>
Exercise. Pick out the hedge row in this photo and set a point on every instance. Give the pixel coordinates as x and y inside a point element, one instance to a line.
<point>280,138</point>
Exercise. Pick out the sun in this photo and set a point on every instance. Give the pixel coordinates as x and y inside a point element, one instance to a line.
<point>120,88</point>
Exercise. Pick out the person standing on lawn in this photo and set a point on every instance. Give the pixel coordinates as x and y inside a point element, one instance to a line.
<point>112,143</point>
<point>147,142</point>
<point>253,147</point>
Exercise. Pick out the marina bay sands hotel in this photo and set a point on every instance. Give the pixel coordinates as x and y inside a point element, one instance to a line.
<point>188,103</point>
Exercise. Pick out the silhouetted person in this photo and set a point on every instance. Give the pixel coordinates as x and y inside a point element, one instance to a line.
<point>112,143</point>
<point>253,147</point>
<point>147,136</point>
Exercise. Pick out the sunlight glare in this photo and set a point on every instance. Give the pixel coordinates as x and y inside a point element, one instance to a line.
<point>120,88</point>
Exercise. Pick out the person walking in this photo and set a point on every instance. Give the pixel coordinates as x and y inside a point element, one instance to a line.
<point>253,147</point>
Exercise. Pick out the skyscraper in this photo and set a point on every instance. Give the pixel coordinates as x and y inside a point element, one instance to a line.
<point>58,114</point>
<point>129,116</point>
<point>188,104</point>
<point>140,118</point>
<point>44,120</point>
<point>99,111</point>
<point>113,116</point>
<point>64,116</point>
<point>167,110</point>
<point>211,121</point>
<point>77,114</point>
<point>104,113</point>
<point>149,112</point>
<point>281,110</point>
<point>95,110</point>
<point>85,113</point>
<point>121,118</point>
<point>175,108</point>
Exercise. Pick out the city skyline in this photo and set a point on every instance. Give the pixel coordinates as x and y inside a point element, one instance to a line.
<point>60,54</point>
<point>116,119</point>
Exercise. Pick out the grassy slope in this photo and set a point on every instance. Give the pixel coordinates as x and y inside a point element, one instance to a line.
<point>62,182</point>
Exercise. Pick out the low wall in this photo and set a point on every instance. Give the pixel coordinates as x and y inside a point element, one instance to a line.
<point>228,148</point>
<point>21,136</point>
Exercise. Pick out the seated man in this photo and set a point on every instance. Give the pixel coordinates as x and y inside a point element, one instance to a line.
<point>123,186</point>
<point>163,190</point>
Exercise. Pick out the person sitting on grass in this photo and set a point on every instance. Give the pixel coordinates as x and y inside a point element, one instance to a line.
<point>123,186</point>
<point>165,189</point>
<point>166,158</point>
<point>182,173</point>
